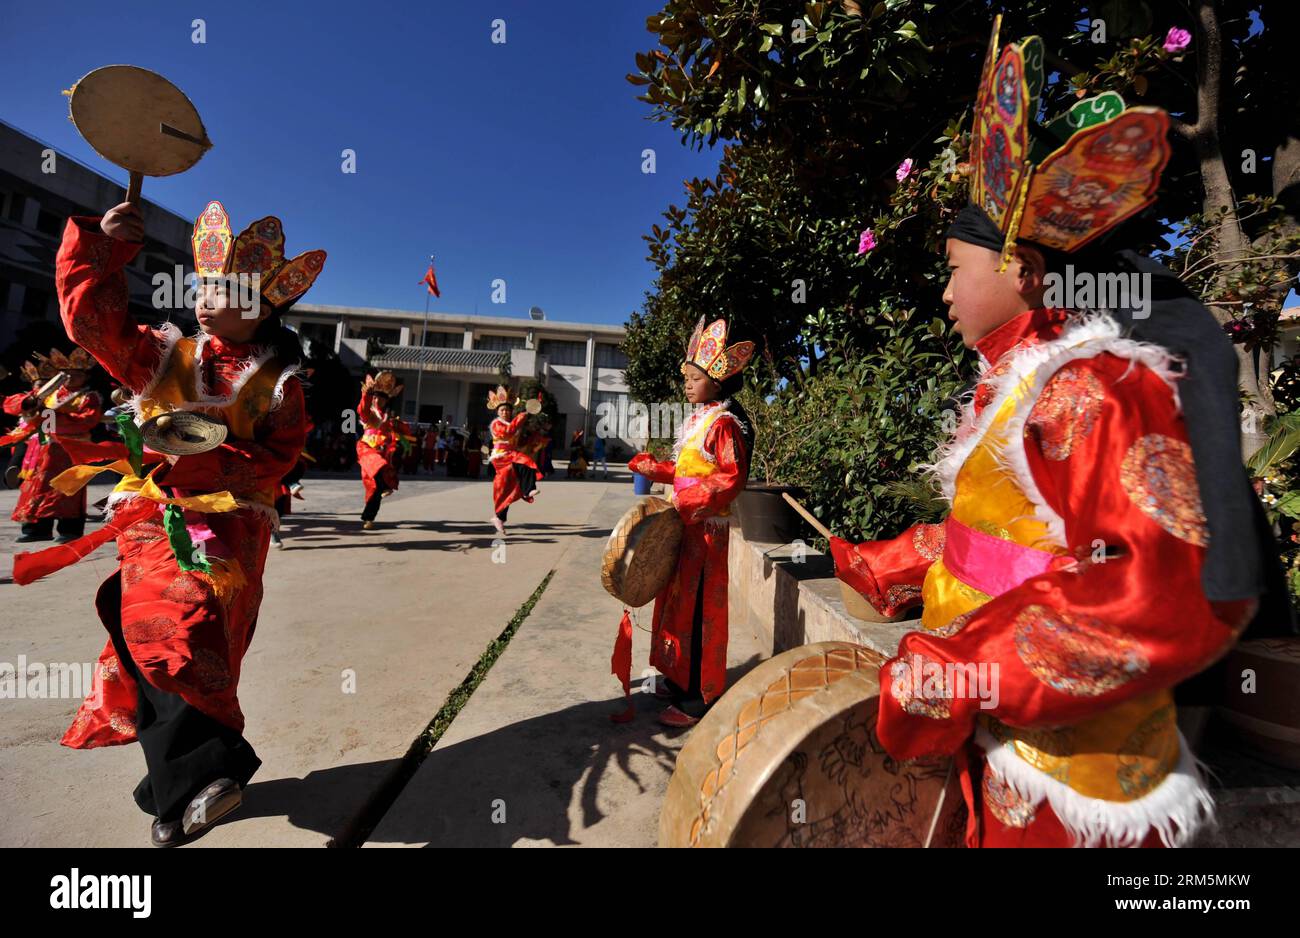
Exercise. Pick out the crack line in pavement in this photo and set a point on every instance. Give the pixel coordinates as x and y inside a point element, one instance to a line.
<point>359,829</point>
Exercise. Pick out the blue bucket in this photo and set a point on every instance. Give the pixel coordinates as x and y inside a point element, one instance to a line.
<point>641,484</point>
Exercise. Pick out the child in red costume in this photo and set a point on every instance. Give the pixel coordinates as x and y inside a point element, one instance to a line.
<point>384,436</point>
<point>69,413</point>
<point>511,458</point>
<point>192,530</point>
<point>710,464</point>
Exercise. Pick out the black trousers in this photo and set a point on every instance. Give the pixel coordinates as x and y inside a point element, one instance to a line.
<point>371,510</point>
<point>689,700</point>
<point>68,527</point>
<point>527,479</point>
<point>185,750</point>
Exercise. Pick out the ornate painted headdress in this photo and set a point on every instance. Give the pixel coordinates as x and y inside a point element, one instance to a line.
<point>708,351</point>
<point>385,383</point>
<point>45,367</point>
<point>258,249</point>
<point>1065,183</point>
<point>498,397</point>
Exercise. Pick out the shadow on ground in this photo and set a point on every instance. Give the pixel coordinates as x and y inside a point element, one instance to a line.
<point>517,783</point>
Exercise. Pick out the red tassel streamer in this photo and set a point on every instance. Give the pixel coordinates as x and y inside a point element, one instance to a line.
<point>620,664</point>
<point>30,567</point>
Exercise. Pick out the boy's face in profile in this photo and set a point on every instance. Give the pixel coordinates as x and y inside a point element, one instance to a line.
<point>700,388</point>
<point>980,298</point>
<point>220,314</point>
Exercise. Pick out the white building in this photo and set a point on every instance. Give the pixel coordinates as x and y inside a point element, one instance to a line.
<point>40,188</point>
<point>449,363</point>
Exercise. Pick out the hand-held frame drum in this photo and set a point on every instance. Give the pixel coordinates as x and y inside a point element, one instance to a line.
<point>138,120</point>
<point>642,551</point>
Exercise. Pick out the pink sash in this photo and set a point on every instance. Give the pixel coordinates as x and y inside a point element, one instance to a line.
<point>684,482</point>
<point>991,564</point>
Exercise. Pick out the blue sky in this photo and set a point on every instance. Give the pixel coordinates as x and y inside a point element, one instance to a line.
<point>519,161</point>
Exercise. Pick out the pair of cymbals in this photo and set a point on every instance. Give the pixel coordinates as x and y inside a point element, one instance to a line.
<point>182,433</point>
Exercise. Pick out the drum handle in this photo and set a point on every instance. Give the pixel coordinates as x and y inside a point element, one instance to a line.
<point>807,516</point>
<point>943,796</point>
<point>134,187</point>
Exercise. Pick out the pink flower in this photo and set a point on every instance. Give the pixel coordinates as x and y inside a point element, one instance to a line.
<point>867,241</point>
<point>1177,40</point>
<point>904,170</point>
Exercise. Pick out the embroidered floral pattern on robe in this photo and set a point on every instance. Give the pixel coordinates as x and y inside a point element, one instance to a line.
<point>1160,478</point>
<point>1003,802</point>
<point>1076,655</point>
<point>1066,411</point>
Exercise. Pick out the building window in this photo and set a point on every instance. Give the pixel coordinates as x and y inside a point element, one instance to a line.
<point>613,398</point>
<point>17,202</point>
<point>444,340</point>
<point>499,343</point>
<point>320,332</point>
<point>49,223</point>
<point>34,302</point>
<point>378,333</point>
<point>607,408</point>
<point>564,353</point>
<point>610,356</point>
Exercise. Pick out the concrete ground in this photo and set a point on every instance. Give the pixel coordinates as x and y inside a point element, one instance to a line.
<point>409,608</point>
<point>533,759</point>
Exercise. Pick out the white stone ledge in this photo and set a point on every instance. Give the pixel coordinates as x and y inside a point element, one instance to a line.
<point>787,603</point>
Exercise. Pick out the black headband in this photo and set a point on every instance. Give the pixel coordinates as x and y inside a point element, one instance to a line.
<point>974,226</point>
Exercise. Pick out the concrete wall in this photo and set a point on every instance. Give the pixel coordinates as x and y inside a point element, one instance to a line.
<point>788,596</point>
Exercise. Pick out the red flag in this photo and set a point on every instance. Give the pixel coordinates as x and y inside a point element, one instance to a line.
<point>432,280</point>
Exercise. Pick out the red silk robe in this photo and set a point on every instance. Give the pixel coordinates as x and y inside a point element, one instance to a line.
<point>44,461</point>
<point>1115,619</point>
<point>378,447</point>
<point>506,454</point>
<point>187,635</point>
<point>703,561</point>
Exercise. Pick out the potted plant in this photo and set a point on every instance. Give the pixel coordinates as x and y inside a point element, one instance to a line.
<point>763,513</point>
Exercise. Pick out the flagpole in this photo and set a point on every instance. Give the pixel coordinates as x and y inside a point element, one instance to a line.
<point>424,334</point>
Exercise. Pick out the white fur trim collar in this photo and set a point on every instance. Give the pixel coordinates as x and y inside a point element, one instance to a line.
<point>1029,371</point>
<point>166,336</point>
<point>701,413</point>
<point>277,396</point>
<point>249,367</point>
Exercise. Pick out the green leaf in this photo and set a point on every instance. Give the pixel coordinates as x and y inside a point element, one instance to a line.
<point>1283,439</point>
<point>1289,504</point>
